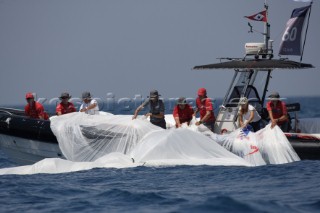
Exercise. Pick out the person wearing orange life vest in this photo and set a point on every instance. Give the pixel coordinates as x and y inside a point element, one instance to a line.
<point>278,112</point>
<point>204,106</point>
<point>182,112</point>
<point>65,106</point>
<point>34,109</point>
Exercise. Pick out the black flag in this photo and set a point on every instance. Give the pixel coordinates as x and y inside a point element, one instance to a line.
<point>291,39</point>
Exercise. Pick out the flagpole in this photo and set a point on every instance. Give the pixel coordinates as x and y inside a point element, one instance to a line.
<point>305,36</point>
<point>266,28</point>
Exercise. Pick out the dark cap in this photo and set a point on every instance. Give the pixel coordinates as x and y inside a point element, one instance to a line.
<point>64,95</point>
<point>86,95</point>
<point>182,100</point>
<point>154,94</point>
<point>274,96</point>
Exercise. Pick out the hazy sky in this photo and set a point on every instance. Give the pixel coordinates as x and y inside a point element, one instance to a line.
<point>131,46</point>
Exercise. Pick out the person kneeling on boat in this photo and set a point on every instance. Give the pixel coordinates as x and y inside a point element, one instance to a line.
<point>248,115</point>
<point>34,109</point>
<point>204,106</point>
<point>278,112</point>
<point>89,105</point>
<point>182,112</point>
<point>65,106</point>
<point>156,111</point>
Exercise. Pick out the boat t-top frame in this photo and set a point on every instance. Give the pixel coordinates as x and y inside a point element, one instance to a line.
<point>251,77</point>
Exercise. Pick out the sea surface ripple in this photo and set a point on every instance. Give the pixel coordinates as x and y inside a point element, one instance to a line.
<point>283,188</point>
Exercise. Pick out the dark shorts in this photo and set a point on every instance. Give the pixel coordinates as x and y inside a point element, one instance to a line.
<point>284,126</point>
<point>255,125</point>
<point>161,123</point>
<point>210,125</point>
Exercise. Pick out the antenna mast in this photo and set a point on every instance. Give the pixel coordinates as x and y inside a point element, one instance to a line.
<point>267,28</point>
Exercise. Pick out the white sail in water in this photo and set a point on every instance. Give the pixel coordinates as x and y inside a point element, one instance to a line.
<point>291,39</point>
<point>84,137</point>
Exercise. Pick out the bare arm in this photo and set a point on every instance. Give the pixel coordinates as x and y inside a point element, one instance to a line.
<point>282,118</point>
<point>161,115</point>
<point>205,118</point>
<point>137,112</point>
<point>177,120</point>
<point>273,121</point>
<point>195,112</point>
<point>91,106</point>
<point>251,117</point>
<point>240,119</point>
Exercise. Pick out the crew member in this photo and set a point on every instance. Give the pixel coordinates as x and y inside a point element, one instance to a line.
<point>34,109</point>
<point>248,115</point>
<point>204,106</point>
<point>65,106</point>
<point>182,112</point>
<point>156,109</point>
<point>278,112</point>
<point>89,105</point>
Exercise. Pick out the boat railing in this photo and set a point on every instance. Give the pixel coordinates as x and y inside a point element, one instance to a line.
<point>294,108</point>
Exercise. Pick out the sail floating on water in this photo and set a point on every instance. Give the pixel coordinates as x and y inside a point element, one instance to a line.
<point>291,39</point>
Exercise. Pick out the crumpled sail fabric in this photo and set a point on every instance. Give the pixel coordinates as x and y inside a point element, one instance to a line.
<point>237,142</point>
<point>270,144</point>
<point>242,144</point>
<point>159,148</point>
<point>182,147</point>
<point>267,146</point>
<point>84,137</point>
<point>274,146</point>
<point>58,165</point>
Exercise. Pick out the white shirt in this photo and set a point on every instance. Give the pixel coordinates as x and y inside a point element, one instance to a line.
<point>256,116</point>
<point>93,111</point>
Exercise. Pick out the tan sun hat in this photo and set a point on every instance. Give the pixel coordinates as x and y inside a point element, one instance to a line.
<point>243,100</point>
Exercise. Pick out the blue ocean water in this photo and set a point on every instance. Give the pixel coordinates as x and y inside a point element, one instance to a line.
<point>293,187</point>
<point>274,188</point>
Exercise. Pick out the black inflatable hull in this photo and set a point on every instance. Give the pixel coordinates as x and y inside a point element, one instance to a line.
<point>26,141</point>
